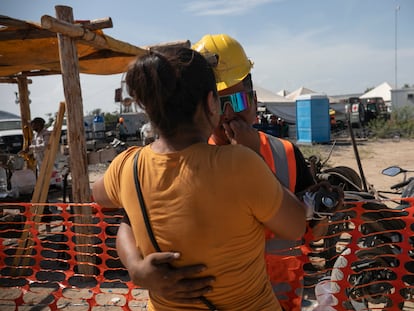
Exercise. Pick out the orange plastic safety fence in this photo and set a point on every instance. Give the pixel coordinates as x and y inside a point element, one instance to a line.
<point>63,259</point>
<point>365,262</point>
<point>67,260</point>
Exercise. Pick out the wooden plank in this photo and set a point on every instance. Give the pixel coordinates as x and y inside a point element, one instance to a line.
<point>96,24</point>
<point>90,37</point>
<point>43,181</point>
<point>41,191</point>
<point>25,34</point>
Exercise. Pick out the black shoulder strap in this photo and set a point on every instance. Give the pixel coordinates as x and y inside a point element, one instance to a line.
<point>203,299</point>
<point>143,207</point>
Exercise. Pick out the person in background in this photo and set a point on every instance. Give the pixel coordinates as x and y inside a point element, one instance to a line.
<point>122,130</point>
<point>147,134</point>
<point>285,128</point>
<point>39,142</point>
<point>202,200</point>
<point>235,87</point>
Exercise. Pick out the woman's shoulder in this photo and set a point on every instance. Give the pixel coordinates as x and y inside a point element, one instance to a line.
<point>238,153</point>
<point>126,154</point>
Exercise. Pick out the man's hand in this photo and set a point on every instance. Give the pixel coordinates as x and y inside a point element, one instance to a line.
<point>156,273</point>
<point>240,132</point>
<point>328,188</point>
<point>320,226</point>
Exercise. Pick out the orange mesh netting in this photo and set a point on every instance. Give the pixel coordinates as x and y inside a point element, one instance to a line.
<point>63,264</point>
<point>68,261</point>
<point>365,262</point>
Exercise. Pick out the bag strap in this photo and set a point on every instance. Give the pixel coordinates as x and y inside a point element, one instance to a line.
<point>154,242</point>
<point>142,204</point>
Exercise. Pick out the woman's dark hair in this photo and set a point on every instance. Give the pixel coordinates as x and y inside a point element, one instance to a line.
<point>169,84</point>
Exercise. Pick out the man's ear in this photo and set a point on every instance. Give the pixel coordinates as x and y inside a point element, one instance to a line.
<point>213,103</point>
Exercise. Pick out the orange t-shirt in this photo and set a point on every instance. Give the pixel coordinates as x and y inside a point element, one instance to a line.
<point>206,202</point>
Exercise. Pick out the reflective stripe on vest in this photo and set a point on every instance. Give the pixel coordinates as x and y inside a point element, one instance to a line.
<point>280,157</point>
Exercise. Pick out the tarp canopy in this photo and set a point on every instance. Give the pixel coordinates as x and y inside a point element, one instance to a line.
<point>286,111</point>
<point>28,47</point>
<point>278,105</point>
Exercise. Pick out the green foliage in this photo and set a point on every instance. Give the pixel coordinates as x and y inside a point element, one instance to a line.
<point>401,123</point>
<point>111,117</point>
<point>50,119</point>
<point>95,112</point>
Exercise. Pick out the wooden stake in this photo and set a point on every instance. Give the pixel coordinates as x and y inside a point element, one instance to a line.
<point>41,190</point>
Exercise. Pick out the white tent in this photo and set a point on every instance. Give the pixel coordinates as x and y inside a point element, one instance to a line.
<point>300,91</point>
<point>264,96</point>
<point>276,104</point>
<point>283,93</point>
<point>383,90</point>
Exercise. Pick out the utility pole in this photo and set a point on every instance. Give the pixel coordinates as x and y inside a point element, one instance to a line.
<point>397,9</point>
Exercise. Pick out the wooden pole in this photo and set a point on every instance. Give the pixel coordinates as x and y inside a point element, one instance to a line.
<point>77,143</point>
<point>24,101</point>
<point>74,106</point>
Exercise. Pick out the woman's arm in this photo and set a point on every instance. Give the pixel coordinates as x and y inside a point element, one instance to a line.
<point>100,196</point>
<point>289,221</point>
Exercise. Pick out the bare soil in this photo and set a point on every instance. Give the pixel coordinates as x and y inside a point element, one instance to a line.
<point>375,155</point>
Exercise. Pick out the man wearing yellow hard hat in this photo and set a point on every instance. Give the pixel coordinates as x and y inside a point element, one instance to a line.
<point>239,104</point>
<point>283,158</point>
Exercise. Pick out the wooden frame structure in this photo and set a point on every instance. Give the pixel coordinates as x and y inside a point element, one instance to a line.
<point>64,46</point>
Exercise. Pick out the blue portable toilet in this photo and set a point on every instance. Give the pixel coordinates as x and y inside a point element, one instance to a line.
<point>312,119</point>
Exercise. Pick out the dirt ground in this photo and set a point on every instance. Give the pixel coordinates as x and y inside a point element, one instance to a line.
<point>375,155</point>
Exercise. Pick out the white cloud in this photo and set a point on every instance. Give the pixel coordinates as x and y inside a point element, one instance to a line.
<point>332,68</point>
<point>225,7</point>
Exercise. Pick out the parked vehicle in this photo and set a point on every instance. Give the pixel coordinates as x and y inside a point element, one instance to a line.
<point>11,135</point>
<point>375,108</point>
<point>356,111</point>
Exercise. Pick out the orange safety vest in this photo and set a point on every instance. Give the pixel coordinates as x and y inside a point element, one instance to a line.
<point>284,265</point>
<point>279,155</point>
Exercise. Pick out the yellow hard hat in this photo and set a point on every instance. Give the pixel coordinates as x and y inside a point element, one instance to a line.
<point>232,63</point>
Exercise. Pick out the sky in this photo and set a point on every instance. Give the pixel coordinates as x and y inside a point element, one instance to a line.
<point>330,46</point>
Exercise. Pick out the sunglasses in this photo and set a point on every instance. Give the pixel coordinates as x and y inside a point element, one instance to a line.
<point>238,101</point>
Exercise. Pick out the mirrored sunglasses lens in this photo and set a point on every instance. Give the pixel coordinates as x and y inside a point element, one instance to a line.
<point>239,101</point>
